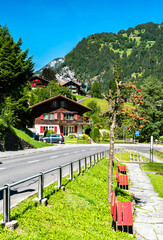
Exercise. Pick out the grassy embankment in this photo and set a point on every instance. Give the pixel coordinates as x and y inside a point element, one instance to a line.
<point>25,136</point>
<point>79,212</point>
<point>156,179</point>
<point>102,103</point>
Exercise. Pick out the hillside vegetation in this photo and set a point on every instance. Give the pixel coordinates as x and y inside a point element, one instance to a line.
<point>141,49</point>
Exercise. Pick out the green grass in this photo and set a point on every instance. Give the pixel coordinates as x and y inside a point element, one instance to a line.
<point>76,141</point>
<point>158,155</point>
<point>79,212</point>
<point>153,167</point>
<point>78,97</point>
<point>156,179</point>
<point>102,103</point>
<point>22,134</point>
<point>125,156</point>
<point>157,182</point>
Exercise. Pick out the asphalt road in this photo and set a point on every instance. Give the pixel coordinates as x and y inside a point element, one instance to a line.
<point>24,164</point>
<point>16,168</point>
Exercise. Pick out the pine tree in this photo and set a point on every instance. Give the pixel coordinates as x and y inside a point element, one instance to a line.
<point>15,67</point>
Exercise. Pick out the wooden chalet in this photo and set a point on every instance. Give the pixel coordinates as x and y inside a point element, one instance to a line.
<point>74,87</point>
<point>60,114</point>
<point>38,82</point>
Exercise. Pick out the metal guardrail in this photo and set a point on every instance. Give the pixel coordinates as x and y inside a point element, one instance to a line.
<point>7,188</point>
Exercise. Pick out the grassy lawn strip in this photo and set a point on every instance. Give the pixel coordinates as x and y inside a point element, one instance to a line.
<point>156,179</point>
<point>159,155</point>
<point>79,212</point>
<point>23,135</point>
<point>125,156</point>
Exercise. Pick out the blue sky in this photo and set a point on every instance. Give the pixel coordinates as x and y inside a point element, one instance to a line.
<point>51,29</point>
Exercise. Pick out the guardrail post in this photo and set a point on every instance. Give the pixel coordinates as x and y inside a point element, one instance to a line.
<point>97,157</point>
<point>40,187</point>
<point>94,159</point>
<point>90,159</point>
<point>79,169</point>
<point>59,177</point>
<point>85,163</point>
<point>6,204</point>
<point>71,171</point>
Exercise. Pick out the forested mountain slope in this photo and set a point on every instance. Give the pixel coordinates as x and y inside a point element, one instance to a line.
<point>141,50</point>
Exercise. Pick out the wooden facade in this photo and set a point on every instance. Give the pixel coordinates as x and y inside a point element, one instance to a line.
<point>59,114</point>
<point>74,87</point>
<point>38,82</point>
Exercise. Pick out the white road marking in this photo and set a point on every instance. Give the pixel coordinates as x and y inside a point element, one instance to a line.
<point>54,157</point>
<point>83,150</point>
<point>66,154</point>
<point>75,152</point>
<point>34,161</point>
<point>2,168</point>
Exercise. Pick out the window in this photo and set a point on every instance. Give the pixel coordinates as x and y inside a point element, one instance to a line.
<point>45,128</point>
<point>51,128</point>
<point>66,116</point>
<point>69,116</point>
<point>63,104</point>
<point>55,104</point>
<point>51,116</point>
<point>45,116</point>
<point>71,129</point>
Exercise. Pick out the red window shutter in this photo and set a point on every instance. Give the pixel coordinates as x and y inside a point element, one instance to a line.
<point>55,116</point>
<point>41,129</point>
<point>62,116</point>
<point>61,130</point>
<point>75,129</point>
<point>75,116</point>
<point>55,129</point>
<point>42,117</point>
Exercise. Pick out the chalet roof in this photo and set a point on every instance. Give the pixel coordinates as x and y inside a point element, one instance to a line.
<point>65,83</point>
<point>64,98</point>
<point>63,110</point>
<point>39,78</point>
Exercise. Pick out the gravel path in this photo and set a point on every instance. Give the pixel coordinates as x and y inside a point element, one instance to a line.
<point>148,220</point>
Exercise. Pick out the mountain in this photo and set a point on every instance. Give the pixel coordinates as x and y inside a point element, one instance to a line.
<point>140,48</point>
<point>53,65</point>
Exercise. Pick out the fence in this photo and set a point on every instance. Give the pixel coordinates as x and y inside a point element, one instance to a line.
<point>135,157</point>
<point>83,162</point>
<point>127,141</point>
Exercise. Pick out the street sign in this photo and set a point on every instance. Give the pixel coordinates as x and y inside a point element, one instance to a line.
<point>124,127</point>
<point>137,133</point>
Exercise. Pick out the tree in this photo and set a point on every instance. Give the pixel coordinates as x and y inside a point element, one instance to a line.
<point>53,89</point>
<point>153,106</point>
<point>49,74</point>
<point>113,98</point>
<point>96,90</point>
<point>16,70</point>
<point>15,67</point>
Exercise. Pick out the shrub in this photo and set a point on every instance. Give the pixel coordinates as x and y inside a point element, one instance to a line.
<point>95,134</point>
<point>161,138</point>
<point>85,136</point>
<point>47,133</point>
